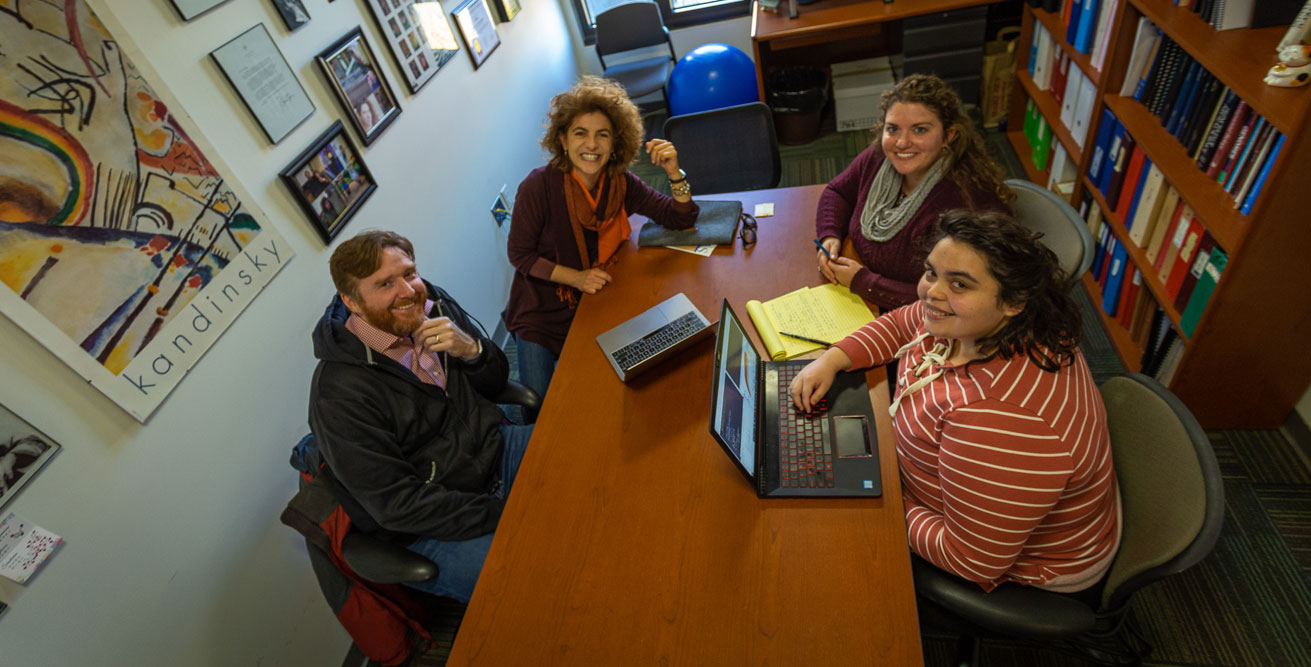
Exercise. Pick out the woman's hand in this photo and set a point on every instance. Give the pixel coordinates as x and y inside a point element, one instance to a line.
<point>813,382</point>
<point>591,280</point>
<point>844,269</point>
<point>833,246</point>
<point>664,155</point>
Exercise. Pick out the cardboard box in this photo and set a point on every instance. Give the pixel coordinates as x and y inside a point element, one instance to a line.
<point>858,87</point>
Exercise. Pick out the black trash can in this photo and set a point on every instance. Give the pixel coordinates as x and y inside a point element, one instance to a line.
<point>797,95</point>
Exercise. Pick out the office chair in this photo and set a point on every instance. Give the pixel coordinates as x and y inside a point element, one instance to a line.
<point>727,150</point>
<point>1173,506</point>
<point>631,26</point>
<point>381,564</point>
<point>1062,229</point>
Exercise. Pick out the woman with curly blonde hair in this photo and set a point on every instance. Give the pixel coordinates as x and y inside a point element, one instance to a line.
<point>571,215</point>
<point>929,159</point>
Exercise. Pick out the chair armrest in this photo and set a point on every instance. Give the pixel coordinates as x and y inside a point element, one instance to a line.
<point>517,393</point>
<point>382,562</point>
<point>1011,609</point>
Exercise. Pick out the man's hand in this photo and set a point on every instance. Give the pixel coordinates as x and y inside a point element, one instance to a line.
<point>441,335</point>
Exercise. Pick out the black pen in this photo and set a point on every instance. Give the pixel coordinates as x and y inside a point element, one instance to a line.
<point>808,340</point>
<point>825,251</point>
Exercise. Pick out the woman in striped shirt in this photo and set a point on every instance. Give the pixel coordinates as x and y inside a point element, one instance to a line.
<point>1001,433</point>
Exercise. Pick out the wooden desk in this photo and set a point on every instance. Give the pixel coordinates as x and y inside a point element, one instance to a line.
<point>631,539</point>
<point>828,22</point>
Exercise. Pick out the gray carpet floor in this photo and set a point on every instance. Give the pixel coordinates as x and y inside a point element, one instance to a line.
<point>1248,604</point>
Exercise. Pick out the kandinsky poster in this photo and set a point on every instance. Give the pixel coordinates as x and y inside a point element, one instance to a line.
<point>123,249</point>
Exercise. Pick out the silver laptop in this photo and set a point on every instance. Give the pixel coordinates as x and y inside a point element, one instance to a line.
<point>642,342</point>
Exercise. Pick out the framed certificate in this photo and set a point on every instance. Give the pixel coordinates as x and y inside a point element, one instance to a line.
<point>474,18</point>
<point>254,66</point>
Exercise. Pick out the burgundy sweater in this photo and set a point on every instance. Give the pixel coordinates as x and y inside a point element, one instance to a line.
<point>893,267</point>
<point>541,237</point>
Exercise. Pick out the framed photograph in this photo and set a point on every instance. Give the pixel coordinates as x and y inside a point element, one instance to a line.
<point>477,29</point>
<point>418,36</point>
<point>252,63</point>
<point>293,13</point>
<point>190,9</point>
<point>330,181</point>
<point>24,450</point>
<point>506,10</point>
<point>353,72</point>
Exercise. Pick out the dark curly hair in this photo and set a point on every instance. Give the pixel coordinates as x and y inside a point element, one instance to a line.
<point>592,93</point>
<point>972,169</point>
<point>1028,274</point>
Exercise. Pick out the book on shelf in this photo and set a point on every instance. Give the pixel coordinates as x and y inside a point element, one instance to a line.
<point>1101,145</point>
<point>1206,282</point>
<point>1099,255</point>
<point>1127,146</point>
<point>1113,151</point>
<point>1173,241</point>
<point>1031,115</point>
<point>1070,98</point>
<point>1170,362</point>
<point>1102,40</point>
<point>1250,201</point>
<point>1083,110</point>
<point>1247,175</point>
<point>1164,67</point>
<point>1094,218</point>
<point>1060,76</point>
<point>1073,15</point>
<point>1042,146</point>
<point>1058,162</point>
<point>1236,123</point>
<point>828,312</point>
<point>1142,317</point>
<point>1131,186</point>
<point>1042,59</point>
<point>1083,36</point>
<point>1202,113</point>
<point>1173,82</point>
<point>1171,208</point>
<point>1146,41</point>
<point>1234,179</point>
<point>1114,279</point>
<point>1203,254</point>
<point>1245,133</point>
<point>1149,206</point>
<point>1171,118</point>
<point>1229,106</point>
<point>1184,259</point>
<point>1232,14</point>
<point>1128,295</point>
<point>1159,335</point>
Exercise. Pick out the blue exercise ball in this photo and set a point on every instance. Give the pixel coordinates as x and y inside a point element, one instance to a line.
<point>712,76</point>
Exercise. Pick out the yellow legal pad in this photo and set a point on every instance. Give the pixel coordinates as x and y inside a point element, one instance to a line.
<point>828,312</point>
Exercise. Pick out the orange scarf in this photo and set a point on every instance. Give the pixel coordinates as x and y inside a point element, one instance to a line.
<point>609,221</point>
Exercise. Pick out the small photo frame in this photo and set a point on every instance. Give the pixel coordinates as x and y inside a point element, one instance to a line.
<point>477,29</point>
<point>330,181</point>
<point>292,12</point>
<point>24,450</point>
<point>190,9</point>
<point>353,73</point>
<point>415,26</point>
<point>252,63</point>
<point>506,10</point>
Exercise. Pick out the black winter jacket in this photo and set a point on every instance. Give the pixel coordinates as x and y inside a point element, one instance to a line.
<point>413,459</point>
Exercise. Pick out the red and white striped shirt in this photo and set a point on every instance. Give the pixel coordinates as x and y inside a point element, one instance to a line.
<point>1005,468</point>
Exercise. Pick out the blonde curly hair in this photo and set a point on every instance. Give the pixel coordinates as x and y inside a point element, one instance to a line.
<point>972,169</point>
<point>592,93</point>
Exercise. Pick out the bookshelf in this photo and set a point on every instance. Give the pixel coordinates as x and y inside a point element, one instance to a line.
<point>1245,366</point>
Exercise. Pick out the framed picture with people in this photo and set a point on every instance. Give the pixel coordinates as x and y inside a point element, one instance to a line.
<point>330,181</point>
<point>418,35</point>
<point>24,450</point>
<point>358,81</point>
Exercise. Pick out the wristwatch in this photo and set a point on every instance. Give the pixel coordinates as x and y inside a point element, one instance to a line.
<point>682,176</point>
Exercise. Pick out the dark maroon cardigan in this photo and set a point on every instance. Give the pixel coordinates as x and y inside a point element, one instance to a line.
<point>541,237</point>
<point>893,267</point>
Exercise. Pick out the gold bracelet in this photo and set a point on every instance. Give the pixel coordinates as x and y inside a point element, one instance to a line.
<point>681,189</point>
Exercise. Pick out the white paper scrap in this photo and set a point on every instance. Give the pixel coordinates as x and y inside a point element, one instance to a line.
<point>24,547</point>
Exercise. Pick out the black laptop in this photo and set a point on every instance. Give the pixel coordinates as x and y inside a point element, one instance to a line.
<point>782,452</point>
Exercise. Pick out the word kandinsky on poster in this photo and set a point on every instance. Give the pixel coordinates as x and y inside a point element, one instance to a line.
<point>124,249</point>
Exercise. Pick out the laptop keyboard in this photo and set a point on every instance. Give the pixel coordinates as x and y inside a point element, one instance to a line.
<point>805,458</point>
<point>657,341</point>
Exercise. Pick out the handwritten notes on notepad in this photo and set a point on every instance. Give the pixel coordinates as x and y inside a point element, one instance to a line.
<point>828,313</point>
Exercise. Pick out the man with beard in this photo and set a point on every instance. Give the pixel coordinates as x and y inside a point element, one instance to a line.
<point>397,407</point>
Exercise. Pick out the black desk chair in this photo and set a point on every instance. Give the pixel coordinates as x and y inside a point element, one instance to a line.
<point>727,150</point>
<point>629,27</point>
<point>1173,504</point>
<point>374,560</point>
<point>1062,229</point>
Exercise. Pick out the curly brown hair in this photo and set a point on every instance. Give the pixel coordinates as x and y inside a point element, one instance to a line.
<point>1028,274</point>
<point>358,258</point>
<point>592,93</point>
<point>972,169</point>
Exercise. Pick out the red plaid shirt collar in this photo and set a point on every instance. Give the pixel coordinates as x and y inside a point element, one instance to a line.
<point>400,349</point>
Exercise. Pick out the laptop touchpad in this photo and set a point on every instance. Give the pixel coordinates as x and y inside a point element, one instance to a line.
<point>851,434</point>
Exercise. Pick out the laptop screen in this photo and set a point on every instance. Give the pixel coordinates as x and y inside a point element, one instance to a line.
<point>733,402</point>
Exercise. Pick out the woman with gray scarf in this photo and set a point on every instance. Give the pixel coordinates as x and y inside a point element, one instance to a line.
<point>929,159</point>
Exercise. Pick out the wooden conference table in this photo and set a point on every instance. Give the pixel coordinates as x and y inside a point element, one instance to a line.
<point>833,30</point>
<point>631,539</point>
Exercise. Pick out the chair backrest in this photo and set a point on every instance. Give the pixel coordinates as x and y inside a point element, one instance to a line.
<point>1170,486</point>
<point>1062,229</point>
<point>632,25</point>
<point>727,150</point>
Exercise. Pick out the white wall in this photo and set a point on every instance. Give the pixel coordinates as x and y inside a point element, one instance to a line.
<point>173,553</point>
